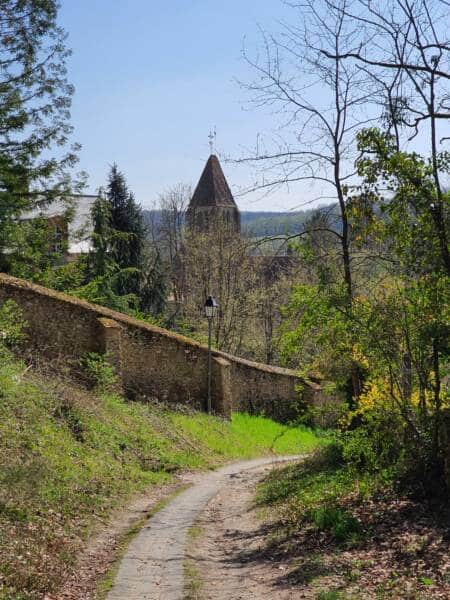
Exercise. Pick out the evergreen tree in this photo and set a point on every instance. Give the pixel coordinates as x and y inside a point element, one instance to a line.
<point>104,274</point>
<point>35,99</point>
<point>127,245</point>
<point>122,273</point>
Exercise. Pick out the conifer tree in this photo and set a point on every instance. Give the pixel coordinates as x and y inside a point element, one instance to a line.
<point>104,274</point>
<point>127,222</point>
<point>122,272</point>
<point>35,99</point>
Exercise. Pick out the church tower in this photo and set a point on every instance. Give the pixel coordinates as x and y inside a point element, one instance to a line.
<point>212,204</point>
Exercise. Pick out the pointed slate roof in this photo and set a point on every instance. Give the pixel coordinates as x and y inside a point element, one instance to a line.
<point>212,188</point>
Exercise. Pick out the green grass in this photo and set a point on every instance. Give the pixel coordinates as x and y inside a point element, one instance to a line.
<point>193,582</point>
<point>193,585</point>
<point>312,522</point>
<point>246,436</point>
<point>329,595</point>
<point>68,457</point>
<point>331,524</point>
<point>312,492</point>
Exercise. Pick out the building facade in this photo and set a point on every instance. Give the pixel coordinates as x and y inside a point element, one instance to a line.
<point>70,224</point>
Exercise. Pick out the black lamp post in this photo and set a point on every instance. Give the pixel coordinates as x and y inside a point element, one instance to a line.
<point>210,311</point>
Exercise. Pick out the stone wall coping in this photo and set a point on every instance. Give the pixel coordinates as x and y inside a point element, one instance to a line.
<point>221,361</point>
<point>101,311</point>
<point>109,323</point>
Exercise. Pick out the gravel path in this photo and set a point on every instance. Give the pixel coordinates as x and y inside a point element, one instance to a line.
<point>152,568</point>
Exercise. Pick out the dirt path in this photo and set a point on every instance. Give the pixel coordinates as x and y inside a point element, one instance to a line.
<point>224,543</point>
<point>228,557</point>
<point>153,567</point>
<point>101,551</point>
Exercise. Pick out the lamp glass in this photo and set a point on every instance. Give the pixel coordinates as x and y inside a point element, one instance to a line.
<point>210,307</point>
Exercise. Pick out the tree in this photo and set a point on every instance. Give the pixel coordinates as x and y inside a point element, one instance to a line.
<point>153,291</point>
<point>275,276</point>
<point>126,271</point>
<point>376,302</point>
<point>104,276</point>
<point>318,140</point>
<point>100,257</point>
<point>406,328</point>
<point>127,244</point>
<point>173,204</point>
<point>219,263</point>
<point>405,51</point>
<point>35,99</point>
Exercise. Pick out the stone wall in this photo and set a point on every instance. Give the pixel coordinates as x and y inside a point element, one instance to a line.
<point>154,362</point>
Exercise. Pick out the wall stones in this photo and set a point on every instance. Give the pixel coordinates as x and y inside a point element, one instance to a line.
<point>153,362</point>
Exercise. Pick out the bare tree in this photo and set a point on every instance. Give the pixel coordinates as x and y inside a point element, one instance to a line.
<point>324,102</point>
<point>173,204</point>
<point>218,262</point>
<point>404,47</point>
<point>275,278</point>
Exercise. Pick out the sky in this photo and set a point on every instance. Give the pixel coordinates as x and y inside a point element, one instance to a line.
<point>152,78</point>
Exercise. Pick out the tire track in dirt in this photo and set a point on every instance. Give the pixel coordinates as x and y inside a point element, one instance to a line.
<point>225,557</point>
<point>153,566</point>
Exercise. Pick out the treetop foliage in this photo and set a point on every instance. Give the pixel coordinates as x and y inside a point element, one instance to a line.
<point>35,100</point>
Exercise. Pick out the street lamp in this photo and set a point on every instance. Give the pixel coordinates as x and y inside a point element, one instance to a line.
<point>210,311</point>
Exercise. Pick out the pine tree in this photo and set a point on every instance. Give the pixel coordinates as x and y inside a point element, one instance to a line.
<point>35,99</point>
<point>104,275</point>
<point>122,273</point>
<point>127,221</point>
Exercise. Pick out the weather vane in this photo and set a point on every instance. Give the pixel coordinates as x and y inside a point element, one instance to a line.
<point>212,138</point>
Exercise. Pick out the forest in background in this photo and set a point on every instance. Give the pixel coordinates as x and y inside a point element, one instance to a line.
<point>259,223</point>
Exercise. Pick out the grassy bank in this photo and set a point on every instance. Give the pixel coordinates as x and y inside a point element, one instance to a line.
<point>68,457</point>
<point>340,534</point>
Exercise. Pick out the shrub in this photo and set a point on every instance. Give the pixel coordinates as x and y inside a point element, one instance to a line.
<point>64,277</point>
<point>12,324</point>
<point>99,371</point>
<point>372,448</point>
<point>343,526</point>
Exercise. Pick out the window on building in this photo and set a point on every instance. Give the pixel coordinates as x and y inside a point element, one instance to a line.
<point>57,242</point>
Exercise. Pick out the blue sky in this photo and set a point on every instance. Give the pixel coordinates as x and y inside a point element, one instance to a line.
<point>152,78</point>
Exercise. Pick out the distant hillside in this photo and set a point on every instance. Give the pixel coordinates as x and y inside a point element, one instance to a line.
<point>261,223</point>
